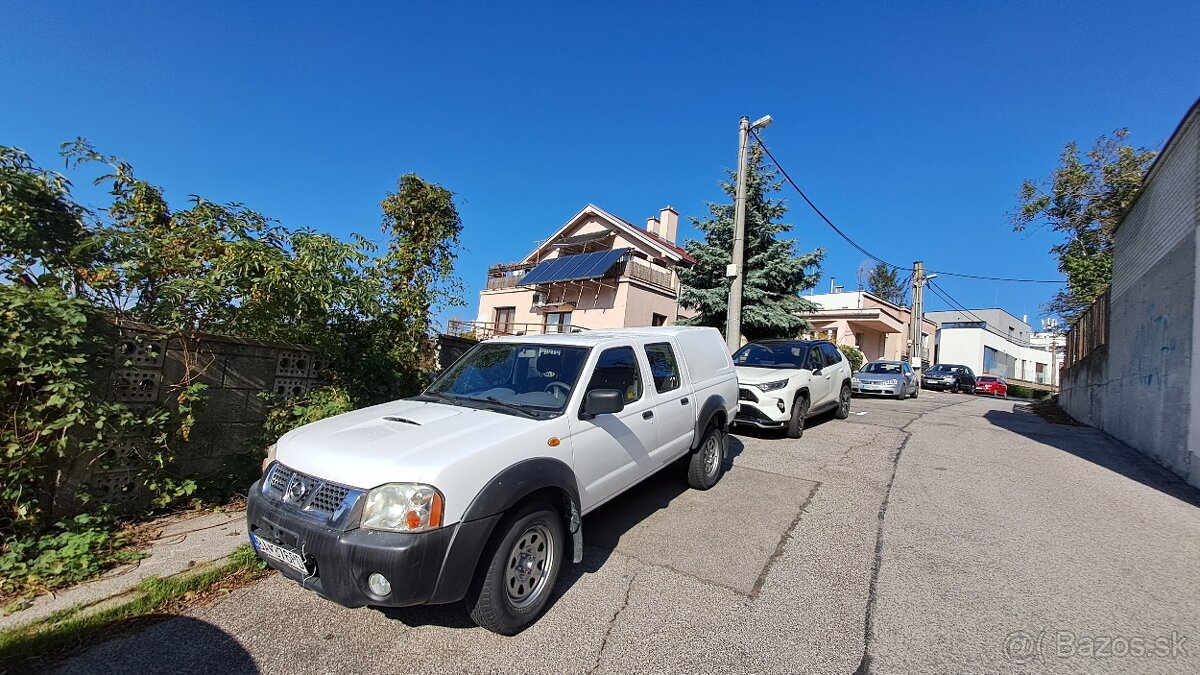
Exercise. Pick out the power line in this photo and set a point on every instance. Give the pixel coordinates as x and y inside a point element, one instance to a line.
<point>864,251</point>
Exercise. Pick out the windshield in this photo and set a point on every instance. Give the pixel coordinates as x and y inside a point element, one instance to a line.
<point>883,368</point>
<point>940,368</point>
<point>531,376</point>
<point>987,379</point>
<point>770,355</point>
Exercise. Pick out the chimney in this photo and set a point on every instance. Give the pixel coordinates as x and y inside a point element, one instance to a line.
<point>668,224</point>
<point>653,226</point>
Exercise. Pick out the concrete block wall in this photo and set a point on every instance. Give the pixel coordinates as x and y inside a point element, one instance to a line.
<point>151,371</point>
<point>1143,388</point>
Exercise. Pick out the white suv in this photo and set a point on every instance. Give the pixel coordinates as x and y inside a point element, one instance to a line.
<point>783,382</point>
<point>474,490</point>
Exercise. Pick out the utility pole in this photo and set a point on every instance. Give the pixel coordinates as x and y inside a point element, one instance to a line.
<point>917,313</point>
<point>733,322</point>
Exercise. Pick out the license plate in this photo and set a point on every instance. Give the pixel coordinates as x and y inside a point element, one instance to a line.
<point>279,553</point>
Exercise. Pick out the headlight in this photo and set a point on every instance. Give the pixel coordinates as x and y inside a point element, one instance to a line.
<point>772,386</point>
<point>891,381</point>
<point>948,378</point>
<point>403,507</point>
<point>855,380</point>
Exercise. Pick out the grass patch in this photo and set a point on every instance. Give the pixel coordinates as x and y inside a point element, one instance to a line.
<point>67,630</point>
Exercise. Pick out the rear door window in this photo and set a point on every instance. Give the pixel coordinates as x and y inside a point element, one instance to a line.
<point>832,354</point>
<point>664,369</point>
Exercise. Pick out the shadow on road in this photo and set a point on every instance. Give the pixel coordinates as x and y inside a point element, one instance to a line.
<point>154,643</point>
<point>1096,447</point>
<point>603,530</point>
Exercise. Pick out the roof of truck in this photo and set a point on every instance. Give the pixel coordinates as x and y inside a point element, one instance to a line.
<point>590,338</point>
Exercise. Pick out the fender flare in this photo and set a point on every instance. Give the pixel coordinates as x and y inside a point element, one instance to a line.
<point>715,405</point>
<point>485,511</point>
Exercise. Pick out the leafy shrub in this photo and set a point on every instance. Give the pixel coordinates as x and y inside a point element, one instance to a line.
<point>317,404</point>
<point>854,356</point>
<point>72,550</point>
<point>1021,391</point>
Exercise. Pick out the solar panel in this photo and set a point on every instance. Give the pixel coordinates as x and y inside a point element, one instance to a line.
<point>573,267</point>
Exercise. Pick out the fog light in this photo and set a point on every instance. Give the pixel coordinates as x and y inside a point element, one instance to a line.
<point>779,403</point>
<point>379,585</point>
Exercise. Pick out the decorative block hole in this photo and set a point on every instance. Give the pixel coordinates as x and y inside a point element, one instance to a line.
<point>134,385</point>
<point>113,487</point>
<point>141,353</point>
<point>291,387</point>
<point>293,364</point>
<point>318,366</point>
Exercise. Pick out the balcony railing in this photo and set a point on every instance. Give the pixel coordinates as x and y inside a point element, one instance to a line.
<point>484,330</point>
<point>633,269</point>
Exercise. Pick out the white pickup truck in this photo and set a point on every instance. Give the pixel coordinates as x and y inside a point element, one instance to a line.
<point>474,489</point>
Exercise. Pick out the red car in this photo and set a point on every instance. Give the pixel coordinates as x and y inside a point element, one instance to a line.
<point>990,384</point>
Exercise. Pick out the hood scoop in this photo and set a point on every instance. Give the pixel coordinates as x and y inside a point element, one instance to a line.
<point>402,420</point>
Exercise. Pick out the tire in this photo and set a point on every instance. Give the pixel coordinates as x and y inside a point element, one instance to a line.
<point>795,427</point>
<point>843,409</point>
<point>900,395</point>
<point>707,463</point>
<point>916,392</point>
<point>507,593</point>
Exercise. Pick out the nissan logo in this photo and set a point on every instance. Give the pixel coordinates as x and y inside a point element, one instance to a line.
<point>297,489</point>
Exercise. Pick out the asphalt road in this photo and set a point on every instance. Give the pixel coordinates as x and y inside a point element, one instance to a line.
<point>947,534</point>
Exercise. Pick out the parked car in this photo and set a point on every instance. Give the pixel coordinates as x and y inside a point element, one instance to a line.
<point>949,377</point>
<point>473,491</point>
<point>781,383</point>
<point>991,384</point>
<point>886,378</point>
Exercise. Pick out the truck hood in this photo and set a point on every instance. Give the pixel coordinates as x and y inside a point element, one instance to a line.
<point>400,441</point>
<point>749,375</point>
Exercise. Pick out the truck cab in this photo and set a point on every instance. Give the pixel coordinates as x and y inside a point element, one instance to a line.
<point>474,490</point>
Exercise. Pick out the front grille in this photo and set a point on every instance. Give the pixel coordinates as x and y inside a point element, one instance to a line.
<point>308,494</point>
<point>280,477</point>
<point>746,395</point>
<point>328,498</point>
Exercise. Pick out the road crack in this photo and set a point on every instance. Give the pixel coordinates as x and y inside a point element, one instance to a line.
<point>613,622</point>
<point>782,545</point>
<point>864,666</point>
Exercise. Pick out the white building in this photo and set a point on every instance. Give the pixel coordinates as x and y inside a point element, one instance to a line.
<point>993,342</point>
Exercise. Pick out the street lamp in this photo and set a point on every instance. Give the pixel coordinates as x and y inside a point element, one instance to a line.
<point>733,323</point>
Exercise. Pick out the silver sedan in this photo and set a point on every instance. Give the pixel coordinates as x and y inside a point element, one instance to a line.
<point>886,378</point>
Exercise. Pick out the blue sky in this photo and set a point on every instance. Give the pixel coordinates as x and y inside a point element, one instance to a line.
<point>910,124</point>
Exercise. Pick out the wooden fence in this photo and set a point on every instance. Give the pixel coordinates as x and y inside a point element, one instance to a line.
<point>1088,333</point>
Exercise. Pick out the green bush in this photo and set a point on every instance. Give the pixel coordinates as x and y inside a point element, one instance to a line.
<point>854,356</point>
<point>72,550</point>
<point>317,404</point>
<point>1020,391</point>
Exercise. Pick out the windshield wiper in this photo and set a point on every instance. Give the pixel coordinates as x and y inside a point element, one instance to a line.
<point>437,396</point>
<point>506,405</point>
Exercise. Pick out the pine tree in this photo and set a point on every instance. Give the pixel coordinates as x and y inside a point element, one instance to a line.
<point>775,272</point>
<point>884,282</point>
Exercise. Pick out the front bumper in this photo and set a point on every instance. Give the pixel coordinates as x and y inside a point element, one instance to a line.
<point>936,385</point>
<point>425,568</point>
<point>869,388</point>
<point>763,410</point>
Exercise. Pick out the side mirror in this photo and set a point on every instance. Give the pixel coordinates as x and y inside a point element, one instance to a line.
<point>817,370</point>
<point>601,401</point>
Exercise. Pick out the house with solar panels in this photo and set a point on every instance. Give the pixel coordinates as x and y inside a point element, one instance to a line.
<point>596,271</point>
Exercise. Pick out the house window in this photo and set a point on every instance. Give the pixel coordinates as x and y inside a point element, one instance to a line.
<point>503,318</point>
<point>658,320</point>
<point>558,322</point>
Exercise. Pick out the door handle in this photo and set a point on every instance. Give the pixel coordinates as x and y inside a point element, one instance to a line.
<point>683,401</point>
<point>648,414</point>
